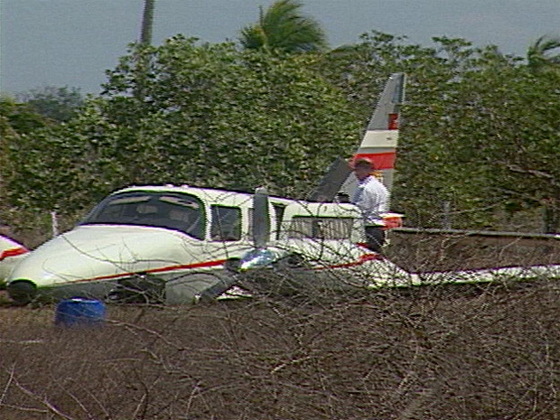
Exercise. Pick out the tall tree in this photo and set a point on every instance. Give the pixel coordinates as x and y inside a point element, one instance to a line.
<point>283,28</point>
<point>147,22</point>
<point>142,65</point>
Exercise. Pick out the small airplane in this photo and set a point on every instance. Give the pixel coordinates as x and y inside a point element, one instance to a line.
<point>173,244</point>
<point>176,244</point>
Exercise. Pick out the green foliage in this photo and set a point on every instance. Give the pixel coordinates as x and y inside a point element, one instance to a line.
<point>19,118</point>
<point>207,115</point>
<point>480,129</point>
<point>56,103</point>
<point>283,28</point>
<point>219,117</point>
<point>59,167</point>
<point>544,54</point>
<point>492,133</point>
<point>17,123</point>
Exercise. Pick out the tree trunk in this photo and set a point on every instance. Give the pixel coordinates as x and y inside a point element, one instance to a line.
<point>147,22</point>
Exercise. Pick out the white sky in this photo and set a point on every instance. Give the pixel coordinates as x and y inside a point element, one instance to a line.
<point>73,42</point>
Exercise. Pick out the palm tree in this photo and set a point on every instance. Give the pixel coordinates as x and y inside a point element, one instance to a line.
<point>283,28</point>
<point>539,55</point>
<point>145,41</point>
<point>147,22</point>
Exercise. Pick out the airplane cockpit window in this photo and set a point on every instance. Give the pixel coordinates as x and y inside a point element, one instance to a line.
<point>182,212</point>
<point>226,223</point>
<point>320,227</point>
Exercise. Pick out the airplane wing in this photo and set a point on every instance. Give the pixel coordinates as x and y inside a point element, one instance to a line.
<point>330,184</point>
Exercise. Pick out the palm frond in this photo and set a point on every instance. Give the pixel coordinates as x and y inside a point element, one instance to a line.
<point>283,27</point>
<point>544,52</point>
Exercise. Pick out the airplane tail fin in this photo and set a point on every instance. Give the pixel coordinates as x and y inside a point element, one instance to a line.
<point>379,145</point>
<point>380,141</point>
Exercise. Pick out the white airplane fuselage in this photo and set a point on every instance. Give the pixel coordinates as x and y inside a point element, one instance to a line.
<point>182,236</point>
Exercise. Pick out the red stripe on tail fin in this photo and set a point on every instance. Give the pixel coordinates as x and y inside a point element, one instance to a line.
<point>393,121</point>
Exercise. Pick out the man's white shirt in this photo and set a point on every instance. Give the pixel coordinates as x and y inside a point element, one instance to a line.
<point>372,198</point>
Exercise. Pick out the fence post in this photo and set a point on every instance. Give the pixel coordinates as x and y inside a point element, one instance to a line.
<point>54,224</point>
<point>446,218</point>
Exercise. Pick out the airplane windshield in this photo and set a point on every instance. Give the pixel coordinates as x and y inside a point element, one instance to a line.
<point>182,212</point>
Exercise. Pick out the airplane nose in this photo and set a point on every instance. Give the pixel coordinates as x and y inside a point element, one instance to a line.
<point>22,292</point>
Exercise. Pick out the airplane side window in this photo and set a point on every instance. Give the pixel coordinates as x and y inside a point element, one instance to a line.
<point>321,227</point>
<point>226,223</point>
<point>279,212</point>
<point>250,227</point>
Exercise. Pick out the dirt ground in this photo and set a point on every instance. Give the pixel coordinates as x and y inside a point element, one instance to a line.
<point>462,352</point>
<point>465,352</point>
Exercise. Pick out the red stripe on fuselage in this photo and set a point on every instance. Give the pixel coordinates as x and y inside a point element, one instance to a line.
<point>203,264</point>
<point>363,259</point>
<point>13,252</point>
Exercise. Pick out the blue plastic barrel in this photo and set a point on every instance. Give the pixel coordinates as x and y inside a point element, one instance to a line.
<point>80,312</point>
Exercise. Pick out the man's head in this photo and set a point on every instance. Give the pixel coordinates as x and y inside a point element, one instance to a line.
<point>363,167</point>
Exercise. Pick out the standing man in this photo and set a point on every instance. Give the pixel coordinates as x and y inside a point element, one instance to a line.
<point>372,198</point>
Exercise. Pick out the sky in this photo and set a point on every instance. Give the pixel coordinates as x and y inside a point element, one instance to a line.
<point>73,42</point>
